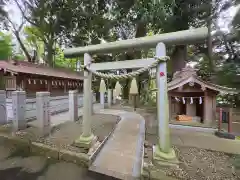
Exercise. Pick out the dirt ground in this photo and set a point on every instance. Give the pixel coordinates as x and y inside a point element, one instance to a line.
<point>64,135</point>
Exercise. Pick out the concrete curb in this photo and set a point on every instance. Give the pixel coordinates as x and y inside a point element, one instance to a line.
<point>193,128</point>
<point>138,165</point>
<point>94,155</point>
<point>45,150</point>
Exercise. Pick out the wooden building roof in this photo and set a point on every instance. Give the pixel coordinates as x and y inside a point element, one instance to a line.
<point>16,67</point>
<point>188,75</point>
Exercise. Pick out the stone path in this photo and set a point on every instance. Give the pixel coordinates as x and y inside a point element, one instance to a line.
<point>121,156</point>
<point>63,117</point>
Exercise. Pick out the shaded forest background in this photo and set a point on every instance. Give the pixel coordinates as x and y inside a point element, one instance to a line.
<point>49,26</point>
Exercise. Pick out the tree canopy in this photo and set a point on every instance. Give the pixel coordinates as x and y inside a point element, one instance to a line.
<point>5,46</point>
<point>52,25</point>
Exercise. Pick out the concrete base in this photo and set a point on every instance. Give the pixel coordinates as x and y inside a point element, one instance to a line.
<point>85,142</point>
<point>164,159</point>
<point>151,171</point>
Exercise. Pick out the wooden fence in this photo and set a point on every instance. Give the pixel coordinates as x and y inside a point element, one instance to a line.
<point>235,113</point>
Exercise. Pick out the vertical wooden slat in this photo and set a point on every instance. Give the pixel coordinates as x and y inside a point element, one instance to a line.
<point>230,121</point>
<point>220,120</point>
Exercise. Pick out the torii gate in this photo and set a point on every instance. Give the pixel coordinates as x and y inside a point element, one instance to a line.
<point>163,150</point>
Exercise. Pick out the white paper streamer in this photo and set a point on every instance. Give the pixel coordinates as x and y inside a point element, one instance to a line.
<point>200,100</point>
<point>183,99</point>
<point>191,100</point>
<point>178,100</point>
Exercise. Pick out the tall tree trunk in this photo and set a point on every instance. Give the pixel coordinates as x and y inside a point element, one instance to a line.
<point>29,59</point>
<point>179,57</point>
<point>49,57</point>
<point>181,22</point>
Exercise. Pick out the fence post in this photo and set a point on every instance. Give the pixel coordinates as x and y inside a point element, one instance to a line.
<point>19,109</point>
<point>73,105</point>
<point>3,108</point>
<point>43,112</point>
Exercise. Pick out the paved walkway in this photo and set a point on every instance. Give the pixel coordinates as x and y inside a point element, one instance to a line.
<point>121,156</point>
<point>60,118</point>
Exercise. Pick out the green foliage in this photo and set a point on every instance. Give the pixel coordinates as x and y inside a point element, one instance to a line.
<point>61,61</point>
<point>33,40</point>
<point>18,57</point>
<point>204,68</point>
<point>5,46</point>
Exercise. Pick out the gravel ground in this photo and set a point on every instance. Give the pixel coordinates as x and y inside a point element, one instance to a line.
<point>63,135</point>
<point>200,164</point>
<point>195,163</point>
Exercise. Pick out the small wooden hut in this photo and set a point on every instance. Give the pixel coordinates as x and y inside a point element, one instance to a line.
<point>190,95</point>
<point>30,77</point>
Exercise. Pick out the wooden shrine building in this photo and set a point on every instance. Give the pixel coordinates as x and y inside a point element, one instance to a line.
<point>190,95</point>
<point>30,77</point>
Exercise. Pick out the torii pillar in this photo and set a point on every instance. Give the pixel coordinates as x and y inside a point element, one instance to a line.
<point>163,153</point>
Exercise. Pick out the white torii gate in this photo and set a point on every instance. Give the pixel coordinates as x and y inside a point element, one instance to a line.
<point>163,150</point>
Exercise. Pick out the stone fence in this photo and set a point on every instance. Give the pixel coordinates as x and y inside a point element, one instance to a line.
<point>57,105</point>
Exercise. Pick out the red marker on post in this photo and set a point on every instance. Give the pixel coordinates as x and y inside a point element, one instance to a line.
<point>162,74</point>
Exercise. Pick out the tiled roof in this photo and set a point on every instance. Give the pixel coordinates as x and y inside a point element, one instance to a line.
<point>189,75</point>
<point>36,69</point>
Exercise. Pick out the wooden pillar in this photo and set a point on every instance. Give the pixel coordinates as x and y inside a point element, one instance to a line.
<point>220,120</point>
<point>207,108</point>
<point>24,84</point>
<point>214,107</point>
<point>230,121</point>
<point>2,80</point>
<point>49,85</point>
<point>65,86</point>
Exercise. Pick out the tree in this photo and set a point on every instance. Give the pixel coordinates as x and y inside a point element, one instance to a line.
<point>61,61</point>
<point>52,19</point>
<point>3,13</point>
<point>33,42</point>
<point>16,29</point>
<point>5,46</point>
